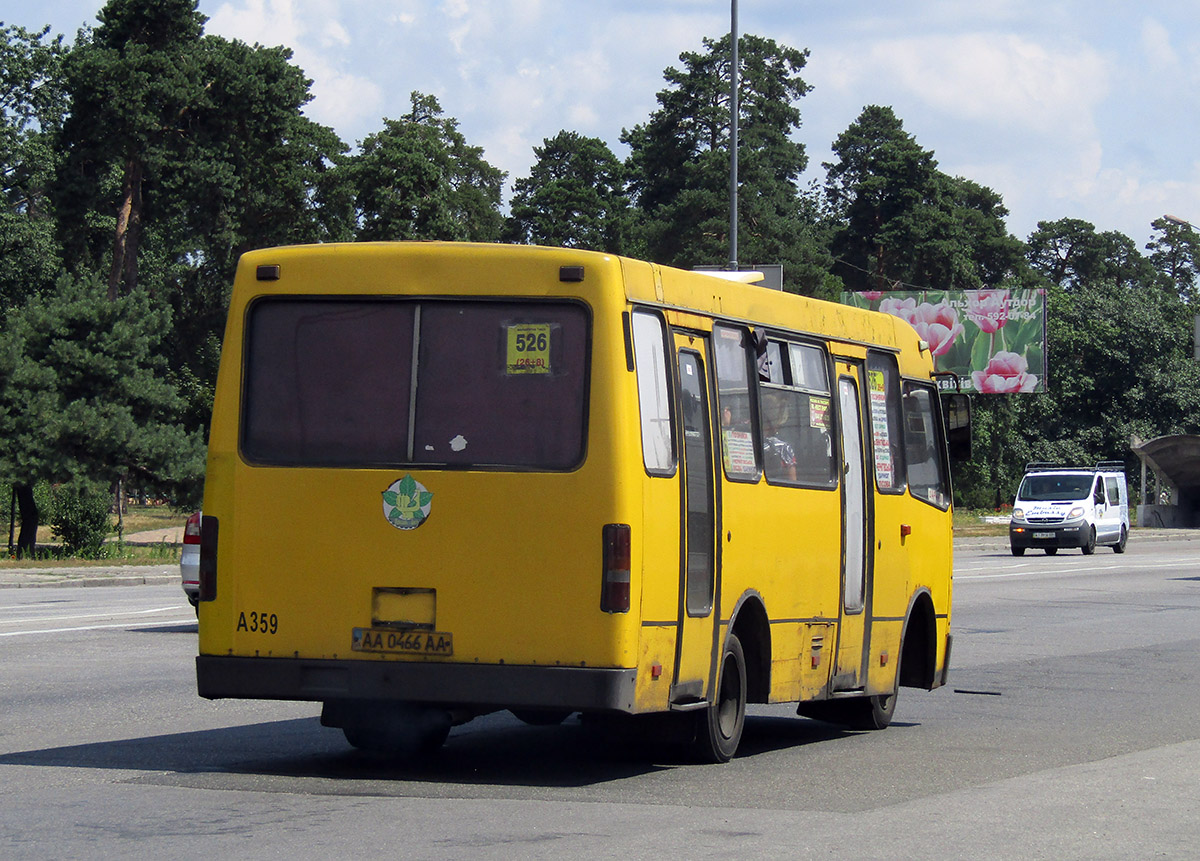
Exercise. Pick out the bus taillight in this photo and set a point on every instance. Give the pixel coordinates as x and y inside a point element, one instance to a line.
<point>614,596</point>
<point>208,558</point>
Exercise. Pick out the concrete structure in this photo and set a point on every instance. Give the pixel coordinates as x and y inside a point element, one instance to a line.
<point>1174,495</point>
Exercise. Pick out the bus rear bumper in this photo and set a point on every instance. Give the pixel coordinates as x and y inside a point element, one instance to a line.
<point>479,686</point>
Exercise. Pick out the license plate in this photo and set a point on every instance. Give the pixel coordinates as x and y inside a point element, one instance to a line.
<point>386,641</point>
<point>1043,535</point>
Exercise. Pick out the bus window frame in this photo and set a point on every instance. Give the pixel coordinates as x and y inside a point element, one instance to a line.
<point>418,302</point>
<point>752,402</point>
<point>939,441</point>
<point>784,341</point>
<point>900,471</point>
<point>668,356</point>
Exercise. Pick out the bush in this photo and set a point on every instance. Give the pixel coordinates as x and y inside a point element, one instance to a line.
<point>80,519</point>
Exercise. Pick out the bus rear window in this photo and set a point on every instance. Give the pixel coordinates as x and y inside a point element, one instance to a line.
<point>380,382</point>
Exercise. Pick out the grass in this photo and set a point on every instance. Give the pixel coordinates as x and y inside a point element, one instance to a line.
<point>137,518</point>
<point>974,523</point>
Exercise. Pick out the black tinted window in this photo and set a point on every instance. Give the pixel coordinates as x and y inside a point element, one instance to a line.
<point>333,383</point>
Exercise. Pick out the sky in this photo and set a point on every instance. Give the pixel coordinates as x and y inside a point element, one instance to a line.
<point>1085,109</point>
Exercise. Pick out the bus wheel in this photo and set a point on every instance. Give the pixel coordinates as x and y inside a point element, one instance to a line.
<point>720,725</point>
<point>540,717</point>
<point>1119,547</point>
<point>1090,547</point>
<point>405,732</point>
<point>868,713</point>
<point>1018,551</point>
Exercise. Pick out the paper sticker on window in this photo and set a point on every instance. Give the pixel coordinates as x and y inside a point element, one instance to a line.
<point>528,348</point>
<point>884,473</point>
<point>818,412</point>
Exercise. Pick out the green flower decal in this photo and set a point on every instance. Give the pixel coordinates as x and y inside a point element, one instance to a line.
<point>406,503</point>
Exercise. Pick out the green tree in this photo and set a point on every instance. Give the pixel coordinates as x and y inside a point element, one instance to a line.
<point>181,152</point>
<point>132,82</point>
<point>1175,251</point>
<point>679,162</point>
<point>574,197</point>
<point>1070,253</point>
<point>83,398</point>
<point>418,178</point>
<point>904,223</point>
<point>32,106</point>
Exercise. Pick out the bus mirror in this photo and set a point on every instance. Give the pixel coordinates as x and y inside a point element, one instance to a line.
<point>956,410</point>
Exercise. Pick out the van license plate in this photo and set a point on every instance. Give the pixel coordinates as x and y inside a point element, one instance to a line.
<point>1043,535</point>
<point>383,640</point>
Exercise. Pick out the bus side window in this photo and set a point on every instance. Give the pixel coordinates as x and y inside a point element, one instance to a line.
<point>922,449</point>
<point>796,419</point>
<point>654,393</point>
<point>734,358</point>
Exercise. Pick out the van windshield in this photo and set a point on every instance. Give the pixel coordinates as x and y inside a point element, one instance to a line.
<point>369,381</point>
<point>1055,488</point>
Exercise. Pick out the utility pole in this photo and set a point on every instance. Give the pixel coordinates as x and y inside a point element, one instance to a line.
<point>733,136</point>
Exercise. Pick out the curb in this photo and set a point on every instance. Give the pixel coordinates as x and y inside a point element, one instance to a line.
<point>52,578</point>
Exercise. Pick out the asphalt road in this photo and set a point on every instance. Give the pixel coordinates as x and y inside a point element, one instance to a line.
<point>1068,731</point>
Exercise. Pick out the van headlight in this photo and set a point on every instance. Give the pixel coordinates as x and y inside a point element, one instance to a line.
<point>1018,514</point>
<point>1075,513</point>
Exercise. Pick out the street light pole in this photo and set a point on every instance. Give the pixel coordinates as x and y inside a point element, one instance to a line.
<point>733,137</point>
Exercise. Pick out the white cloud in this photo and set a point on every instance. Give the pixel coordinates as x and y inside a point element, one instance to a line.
<point>988,78</point>
<point>269,22</point>
<point>321,45</point>
<point>1156,45</point>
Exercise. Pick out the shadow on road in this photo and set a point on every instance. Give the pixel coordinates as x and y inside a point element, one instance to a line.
<point>493,750</point>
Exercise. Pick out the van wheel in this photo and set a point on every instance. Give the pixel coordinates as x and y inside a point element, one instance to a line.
<point>719,727</point>
<point>1119,547</point>
<point>1090,547</point>
<point>1050,551</point>
<point>1018,551</point>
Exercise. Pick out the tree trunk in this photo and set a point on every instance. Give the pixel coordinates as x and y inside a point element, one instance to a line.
<point>27,539</point>
<point>128,233</point>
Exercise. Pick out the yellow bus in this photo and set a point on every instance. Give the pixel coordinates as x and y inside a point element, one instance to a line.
<point>446,479</point>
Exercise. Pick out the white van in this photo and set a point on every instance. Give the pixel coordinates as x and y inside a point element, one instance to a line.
<point>1075,506</point>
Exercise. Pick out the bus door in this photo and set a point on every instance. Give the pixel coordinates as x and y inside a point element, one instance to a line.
<point>695,641</point>
<point>853,628</point>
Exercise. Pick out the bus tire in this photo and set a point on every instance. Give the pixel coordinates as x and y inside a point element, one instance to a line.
<point>1050,551</point>
<point>540,717</point>
<point>407,732</point>
<point>1119,547</point>
<point>1018,551</point>
<point>720,726</point>
<point>1089,546</point>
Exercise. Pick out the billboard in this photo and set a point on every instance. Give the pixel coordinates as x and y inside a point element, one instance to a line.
<point>994,340</point>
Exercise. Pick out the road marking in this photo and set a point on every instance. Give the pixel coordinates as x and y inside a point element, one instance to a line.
<point>91,615</point>
<point>96,627</point>
<point>1069,567</point>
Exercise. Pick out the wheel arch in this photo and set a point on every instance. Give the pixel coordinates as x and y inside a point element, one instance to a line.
<point>918,644</point>
<point>749,622</point>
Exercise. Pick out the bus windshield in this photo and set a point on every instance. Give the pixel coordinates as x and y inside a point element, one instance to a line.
<point>372,382</point>
<point>1055,488</point>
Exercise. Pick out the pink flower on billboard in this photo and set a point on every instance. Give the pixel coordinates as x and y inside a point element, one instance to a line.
<point>1006,373</point>
<point>871,295</point>
<point>902,308</point>
<point>988,309</point>
<point>937,325</point>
